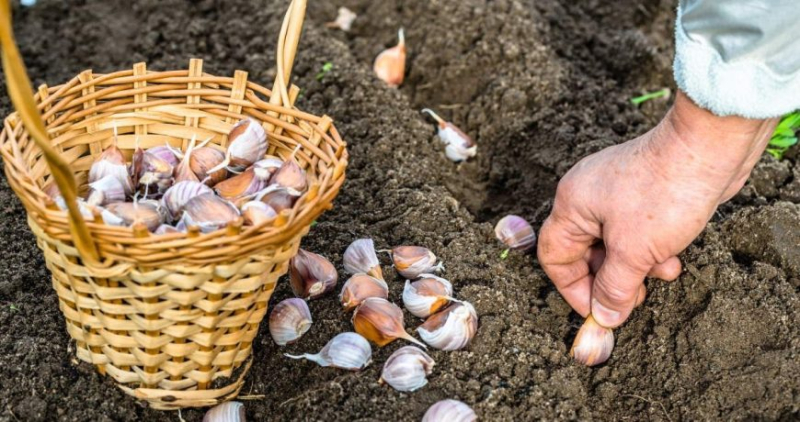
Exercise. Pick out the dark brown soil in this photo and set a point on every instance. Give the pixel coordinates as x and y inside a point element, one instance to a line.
<point>540,84</point>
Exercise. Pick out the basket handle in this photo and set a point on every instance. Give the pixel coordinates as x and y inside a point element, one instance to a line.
<point>287,48</point>
<point>21,93</point>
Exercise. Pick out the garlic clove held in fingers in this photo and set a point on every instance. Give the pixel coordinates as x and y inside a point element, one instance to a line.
<point>311,275</point>
<point>407,369</point>
<point>257,212</point>
<point>426,296</point>
<point>593,343</point>
<point>458,145</point>
<point>411,261</point>
<point>360,257</point>
<point>449,411</point>
<point>390,65</point>
<point>247,144</point>
<point>515,232</point>
<point>381,322</point>
<point>360,287</point>
<point>209,212</point>
<point>106,190</point>
<point>231,411</point>
<point>180,193</point>
<point>131,213</point>
<point>112,163</point>
<point>289,320</point>
<point>451,329</point>
<point>345,351</point>
<point>203,160</point>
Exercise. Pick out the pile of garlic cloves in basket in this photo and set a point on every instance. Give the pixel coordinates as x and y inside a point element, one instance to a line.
<point>170,191</point>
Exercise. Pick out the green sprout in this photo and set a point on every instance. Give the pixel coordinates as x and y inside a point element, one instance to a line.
<point>314,223</point>
<point>327,67</point>
<point>504,254</point>
<point>785,135</point>
<point>651,96</point>
<point>13,307</point>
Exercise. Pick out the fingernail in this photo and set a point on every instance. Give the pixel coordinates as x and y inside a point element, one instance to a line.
<point>604,316</point>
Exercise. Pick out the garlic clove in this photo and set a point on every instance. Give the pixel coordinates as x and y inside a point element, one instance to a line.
<point>231,411</point>
<point>289,320</point>
<point>180,193</point>
<point>451,329</point>
<point>209,212</point>
<point>130,213</point>
<point>359,287</point>
<point>407,369</point>
<point>593,343</point>
<point>426,296</point>
<point>155,174</point>
<point>267,166</point>
<point>111,162</point>
<point>311,275</point>
<point>390,65</point>
<point>344,19</point>
<point>411,261</point>
<point>290,175</point>
<point>240,186</point>
<point>183,171</point>
<point>278,197</point>
<point>381,322</point>
<point>345,351</point>
<point>165,153</point>
<point>106,190</point>
<point>515,232</point>
<point>257,212</point>
<point>166,229</point>
<point>458,145</point>
<point>203,160</point>
<point>360,257</point>
<point>449,411</point>
<point>248,144</point>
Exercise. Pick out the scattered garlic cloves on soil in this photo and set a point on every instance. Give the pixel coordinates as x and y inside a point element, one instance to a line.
<point>231,411</point>
<point>312,275</point>
<point>381,322</point>
<point>257,212</point>
<point>289,320</point>
<point>458,145</point>
<point>344,20</point>
<point>360,257</point>
<point>407,369</point>
<point>359,287</point>
<point>451,329</point>
<point>515,232</point>
<point>345,351</point>
<point>593,343</point>
<point>427,295</point>
<point>449,411</point>
<point>209,212</point>
<point>390,65</point>
<point>411,261</point>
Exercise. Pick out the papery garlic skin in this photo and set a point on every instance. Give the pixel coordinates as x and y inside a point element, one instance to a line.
<point>515,232</point>
<point>360,287</point>
<point>257,212</point>
<point>407,369</point>
<point>248,144</point>
<point>312,275</point>
<point>390,65</point>
<point>593,343</point>
<point>427,295</point>
<point>381,322</point>
<point>289,320</point>
<point>180,193</point>
<point>348,351</point>
<point>209,212</point>
<point>451,329</point>
<point>231,411</point>
<point>411,261</point>
<point>449,411</point>
<point>360,257</point>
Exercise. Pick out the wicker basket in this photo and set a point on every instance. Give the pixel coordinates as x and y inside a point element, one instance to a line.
<point>171,317</point>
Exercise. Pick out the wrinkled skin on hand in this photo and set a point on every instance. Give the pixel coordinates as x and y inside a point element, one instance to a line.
<point>626,212</point>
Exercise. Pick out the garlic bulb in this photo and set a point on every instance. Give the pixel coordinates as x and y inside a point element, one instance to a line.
<point>593,343</point>
<point>451,329</point>
<point>111,163</point>
<point>131,213</point>
<point>359,287</point>
<point>426,296</point>
<point>312,275</point>
<point>209,212</point>
<point>407,369</point>
<point>231,411</point>
<point>278,197</point>
<point>180,193</point>
<point>390,65</point>
<point>411,261</point>
<point>289,320</point>
<point>104,191</point>
<point>256,212</point>
<point>515,232</point>
<point>458,145</point>
<point>344,19</point>
<point>360,258</point>
<point>345,351</point>
<point>449,411</point>
<point>248,144</point>
<point>203,160</point>
<point>240,186</point>
<point>381,322</point>
<point>290,175</point>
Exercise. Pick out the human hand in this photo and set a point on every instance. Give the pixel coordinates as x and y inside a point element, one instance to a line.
<point>626,212</point>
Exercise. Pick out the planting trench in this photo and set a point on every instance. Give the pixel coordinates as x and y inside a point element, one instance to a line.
<point>540,84</point>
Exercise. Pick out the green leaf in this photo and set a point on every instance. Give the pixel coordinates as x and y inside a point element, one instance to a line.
<point>504,254</point>
<point>650,96</point>
<point>778,154</point>
<point>13,307</point>
<point>327,67</point>
<point>782,141</point>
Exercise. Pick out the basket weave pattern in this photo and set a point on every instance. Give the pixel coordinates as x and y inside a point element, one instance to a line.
<point>170,317</point>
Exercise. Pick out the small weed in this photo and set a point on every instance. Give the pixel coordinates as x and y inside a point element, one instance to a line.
<point>504,254</point>
<point>651,96</point>
<point>13,307</point>
<point>314,223</point>
<point>785,135</point>
<point>327,67</point>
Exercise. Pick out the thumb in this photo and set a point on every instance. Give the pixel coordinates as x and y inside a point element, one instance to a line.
<point>614,290</point>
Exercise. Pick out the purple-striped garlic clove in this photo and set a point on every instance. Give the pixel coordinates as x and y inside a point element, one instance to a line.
<point>231,411</point>
<point>593,343</point>
<point>348,351</point>
<point>458,145</point>
<point>426,296</point>
<point>289,320</point>
<point>407,369</point>
<point>360,287</point>
<point>360,257</point>
<point>411,261</point>
<point>515,232</point>
<point>257,212</point>
<point>449,411</point>
<point>451,329</point>
<point>106,190</point>
<point>381,322</point>
<point>209,212</point>
<point>312,275</point>
<point>176,197</point>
